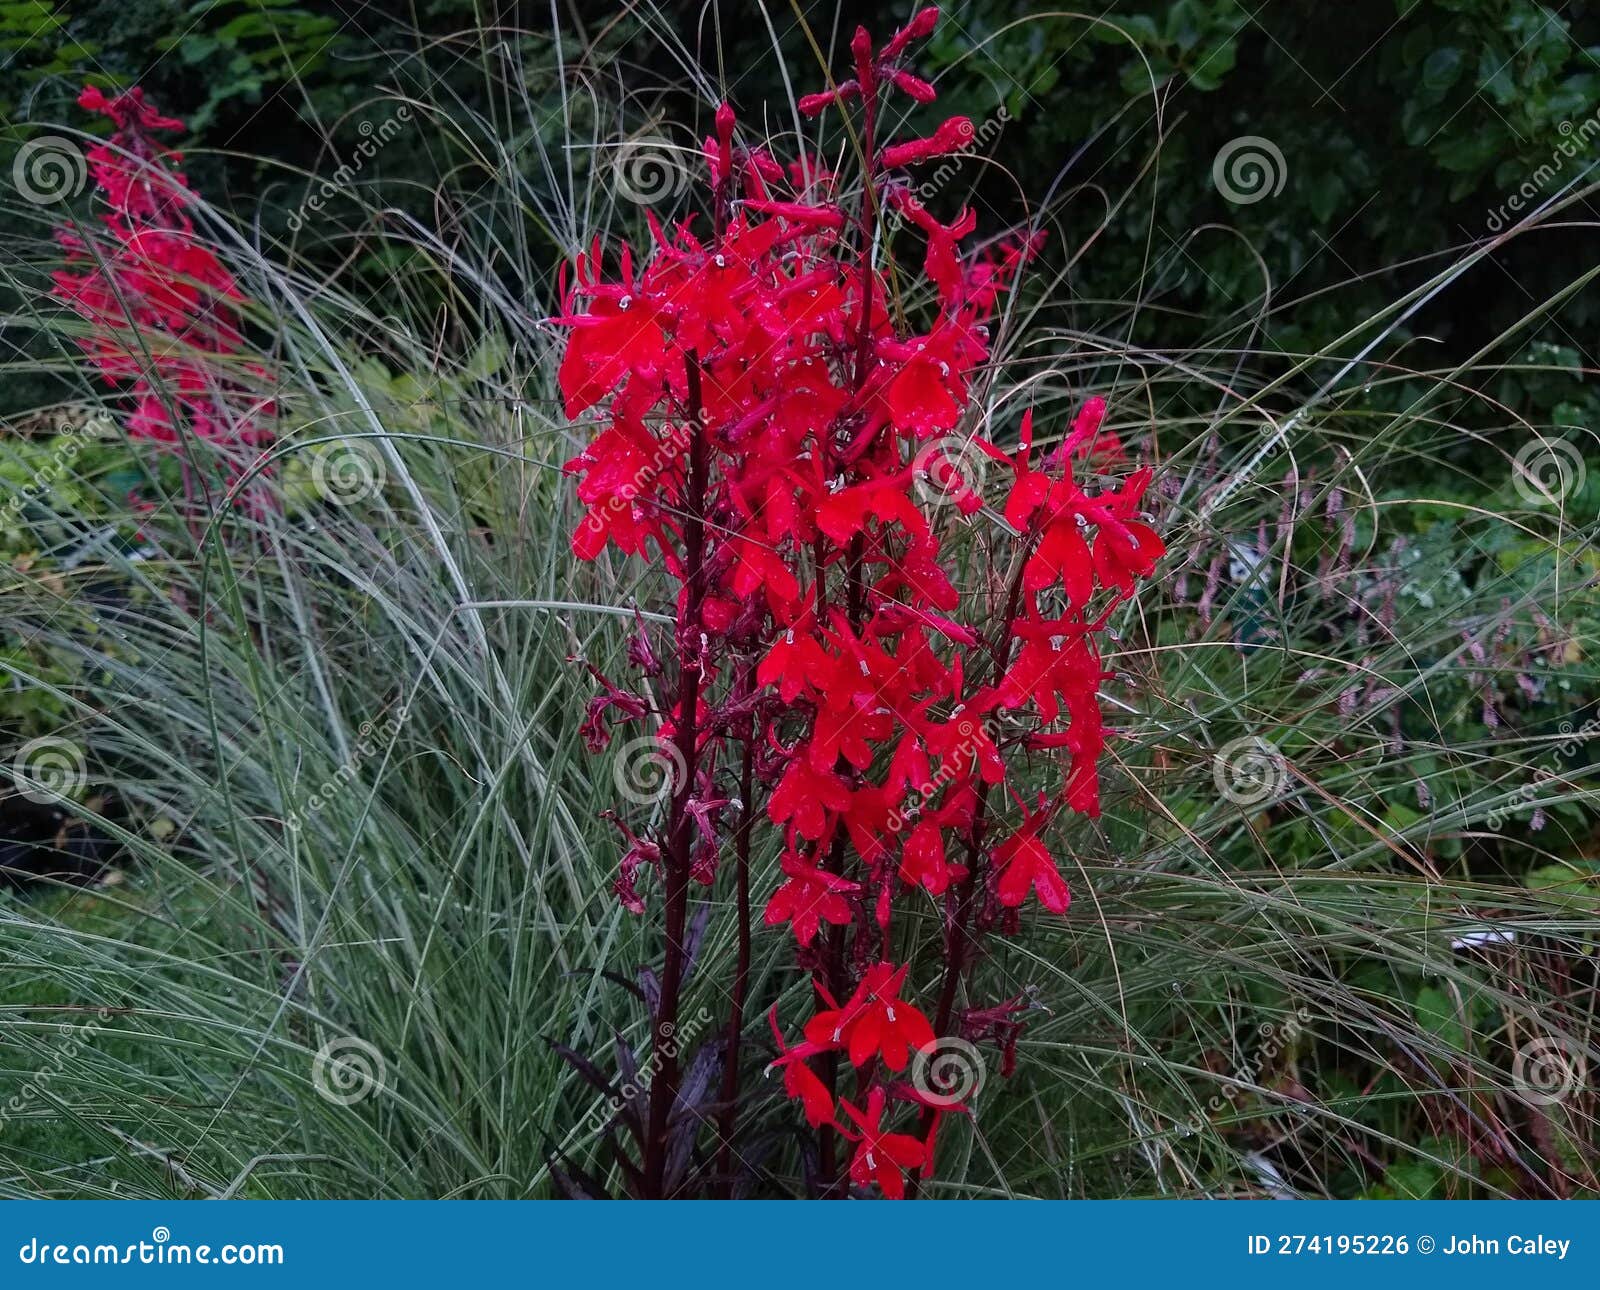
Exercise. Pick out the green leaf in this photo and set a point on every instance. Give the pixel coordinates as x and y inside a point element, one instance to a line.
<point>1442,69</point>
<point>1436,1013</point>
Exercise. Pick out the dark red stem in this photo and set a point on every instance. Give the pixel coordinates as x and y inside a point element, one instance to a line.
<point>957,938</point>
<point>741,972</point>
<point>677,858</point>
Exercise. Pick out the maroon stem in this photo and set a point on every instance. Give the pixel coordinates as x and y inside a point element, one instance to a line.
<point>957,938</point>
<point>677,858</point>
<point>741,972</point>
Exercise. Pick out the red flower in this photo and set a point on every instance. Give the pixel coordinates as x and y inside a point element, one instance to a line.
<point>793,665</point>
<point>607,345</point>
<point>951,136</point>
<point>811,896</point>
<point>804,796</point>
<point>923,863</point>
<point>875,1022</point>
<point>800,1082</point>
<point>927,393</point>
<point>881,1157</point>
<point>1024,863</point>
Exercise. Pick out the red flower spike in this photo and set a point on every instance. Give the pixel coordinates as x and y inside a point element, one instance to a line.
<point>161,307</point>
<point>784,449</point>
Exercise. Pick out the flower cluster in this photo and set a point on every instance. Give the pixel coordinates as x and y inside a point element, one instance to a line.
<point>163,311</point>
<point>797,457</point>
